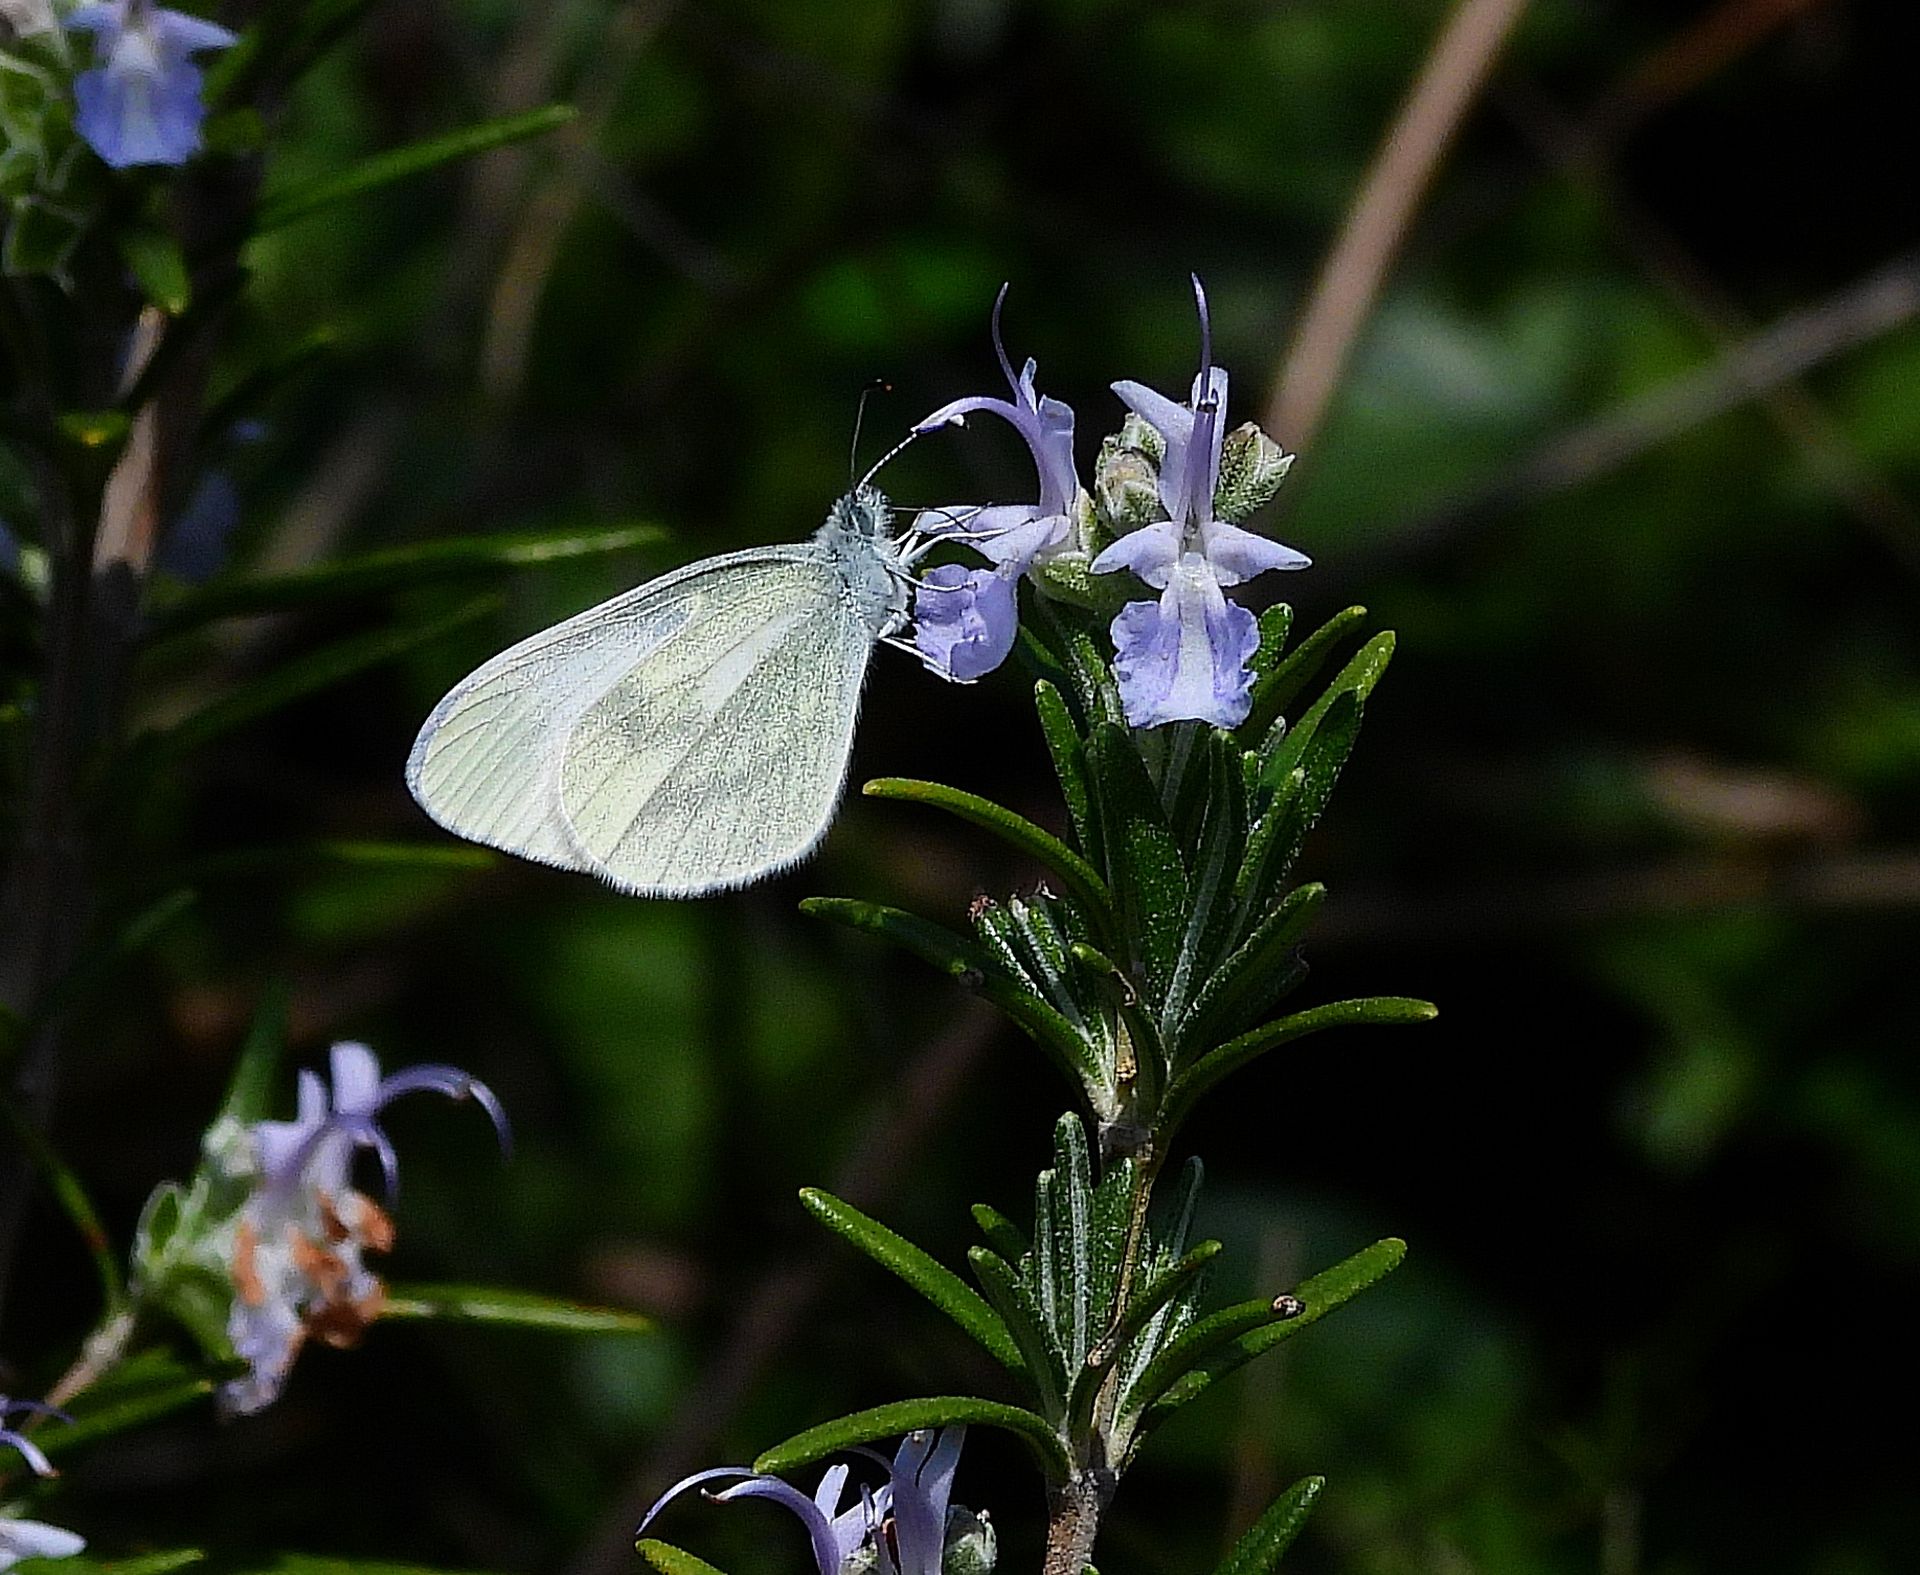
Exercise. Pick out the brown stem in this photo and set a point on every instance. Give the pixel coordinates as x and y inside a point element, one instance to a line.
<point>99,1356</point>
<point>1073,1521</point>
<point>1354,270</point>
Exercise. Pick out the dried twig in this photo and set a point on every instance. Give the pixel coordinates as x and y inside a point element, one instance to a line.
<point>1886,300</point>
<point>1578,154</point>
<point>1352,274</point>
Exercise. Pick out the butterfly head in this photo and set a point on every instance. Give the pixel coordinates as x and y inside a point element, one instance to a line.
<point>864,513</point>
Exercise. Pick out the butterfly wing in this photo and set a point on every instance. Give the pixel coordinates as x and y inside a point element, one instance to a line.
<point>719,757</point>
<point>487,763</point>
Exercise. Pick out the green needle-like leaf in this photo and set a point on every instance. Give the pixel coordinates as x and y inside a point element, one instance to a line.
<point>931,1278</point>
<point>1069,754</point>
<point>1162,1289</point>
<point>907,1416</point>
<point>1216,861</point>
<point>485,1304</point>
<point>1326,1291</point>
<point>1249,981</point>
<point>281,208</point>
<point>1275,691</point>
<point>1365,1011</point>
<point>1027,1322</point>
<point>1143,861</point>
<point>1080,878</point>
<point>69,1192</point>
<point>1357,678</point>
<point>669,1560</point>
<point>162,1563</point>
<point>1258,1552</point>
<point>1276,623</point>
<point>401,568</point>
<point>1191,1346</point>
<point>961,960</point>
<point>256,1070</point>
<point>1005,1237</point>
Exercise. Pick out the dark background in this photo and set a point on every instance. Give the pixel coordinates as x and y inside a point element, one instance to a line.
<point>1636,805</point>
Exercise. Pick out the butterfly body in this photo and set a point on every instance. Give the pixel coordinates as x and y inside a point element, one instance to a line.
<point>687,736</point>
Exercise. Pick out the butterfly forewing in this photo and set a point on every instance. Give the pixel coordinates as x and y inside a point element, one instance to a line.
<point>487,763</point>
<point>719,757</point>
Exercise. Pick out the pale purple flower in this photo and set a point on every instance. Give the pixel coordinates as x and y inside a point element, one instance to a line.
<point>141,103</point>
<point>10,1438</point>
<point>35,1539</point>
<point>964,625</point>
<point>31,1539</point>
<point>965,620</point>
<point>903,1524</point>
<point>1184,658</point>
<point>298,1242</point>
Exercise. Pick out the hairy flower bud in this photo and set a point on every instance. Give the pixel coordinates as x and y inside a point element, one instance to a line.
<point>1127,485</point>
<point>972,1544</point>
<point>1252,466</point>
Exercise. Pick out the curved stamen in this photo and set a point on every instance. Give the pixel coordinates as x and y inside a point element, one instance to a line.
<point>1206,334</point>
<point>999,345</point>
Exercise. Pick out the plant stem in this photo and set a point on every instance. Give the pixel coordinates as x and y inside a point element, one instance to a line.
<point>101,1353</point>
<point>1073,1521</point>
<point>43,895</point>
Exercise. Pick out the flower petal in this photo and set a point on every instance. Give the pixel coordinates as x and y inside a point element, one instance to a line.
<point>356,1079</point>
<point>826,1548</point>
<point>965,621</point>
<point>98,16</point>
<point>182,35</point>
<point>923,1472</point>
<point>1236,555</point>
<point>432,1077</point>
<point>31,1452</point>
<point>35,1539</point>
<point>1149,552</point>
<point>672,1493</point>
<point>1184,658</point>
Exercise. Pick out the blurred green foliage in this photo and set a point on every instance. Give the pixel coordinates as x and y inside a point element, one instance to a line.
<point>1639,809</point>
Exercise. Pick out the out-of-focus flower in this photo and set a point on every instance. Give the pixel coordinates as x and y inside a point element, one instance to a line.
<point>1185,657</point>
<point>30,1539</point>
<point>142,103</point>
<point>965,619</point>
<point>907,1527</point>
<point>296,1254</point>
<point>35,1539</point>
<point>11,1438</point>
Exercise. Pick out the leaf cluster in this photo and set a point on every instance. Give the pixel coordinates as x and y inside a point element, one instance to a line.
<point>1096,1314</point>
<point>1150,963</point>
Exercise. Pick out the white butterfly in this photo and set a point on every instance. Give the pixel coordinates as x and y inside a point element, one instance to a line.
<point>687,736</point>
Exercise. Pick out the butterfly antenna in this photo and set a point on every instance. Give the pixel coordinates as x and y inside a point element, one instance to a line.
<point>891,454</point>
<point>878,386</point>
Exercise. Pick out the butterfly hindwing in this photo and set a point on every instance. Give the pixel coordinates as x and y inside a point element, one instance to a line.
<point>719,756</point>
<point>487,762</point>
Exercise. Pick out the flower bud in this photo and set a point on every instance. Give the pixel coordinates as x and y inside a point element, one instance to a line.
<point>1127,485</point>
<point>972,1544</point>
<point>1252,466</point>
